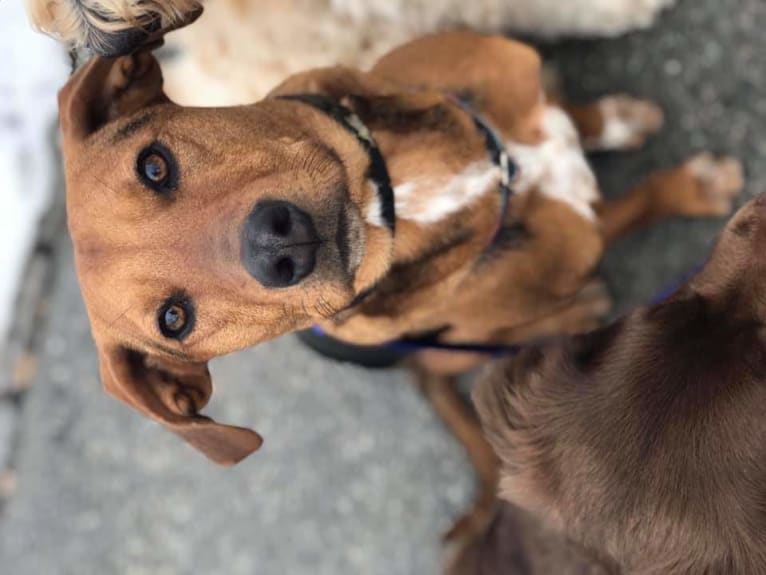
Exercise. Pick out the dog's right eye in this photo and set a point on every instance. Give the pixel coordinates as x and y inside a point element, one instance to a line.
<point>176,317</point>
<point>157,169</point>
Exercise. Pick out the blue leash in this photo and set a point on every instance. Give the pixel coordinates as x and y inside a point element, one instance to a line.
<point>498,350</point>
<point>671,289</point>
<point>412,345</point>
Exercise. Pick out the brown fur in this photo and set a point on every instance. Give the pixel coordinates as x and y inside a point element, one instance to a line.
<point>134,250</point>
<point>645,441</point>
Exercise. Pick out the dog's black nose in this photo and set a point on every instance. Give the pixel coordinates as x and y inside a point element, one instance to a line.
<point>279,244</point>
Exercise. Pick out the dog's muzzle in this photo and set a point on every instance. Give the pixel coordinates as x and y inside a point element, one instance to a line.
<point>279,244</point>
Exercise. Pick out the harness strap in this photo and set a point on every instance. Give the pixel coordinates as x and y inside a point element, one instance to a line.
<point>509,170</point>
<point>500,350</point>
<point>413,345</point>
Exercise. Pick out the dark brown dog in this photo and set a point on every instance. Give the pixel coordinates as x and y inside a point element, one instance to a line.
<point>645,441</point>
<point>199,232</point>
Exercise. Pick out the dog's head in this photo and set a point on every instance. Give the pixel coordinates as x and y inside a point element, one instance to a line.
<point>733,276</point>
<point>198,232</point>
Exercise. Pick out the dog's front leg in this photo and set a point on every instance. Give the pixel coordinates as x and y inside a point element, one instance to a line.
<point>451,407</point>
<point>615,123</point>
<point>701,187</point>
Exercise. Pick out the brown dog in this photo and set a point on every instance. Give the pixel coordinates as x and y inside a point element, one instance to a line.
<point>199,232</point>
<point>645,441</point>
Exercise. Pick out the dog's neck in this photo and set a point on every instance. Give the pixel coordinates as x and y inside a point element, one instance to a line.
<point>440,169</point>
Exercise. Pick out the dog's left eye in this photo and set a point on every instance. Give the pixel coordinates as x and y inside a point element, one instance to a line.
<point>157,169</point>
<point>176,317</point>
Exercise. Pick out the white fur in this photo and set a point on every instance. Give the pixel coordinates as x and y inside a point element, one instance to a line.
<point>428,200</point>
<point>237,51</point>
<point>557,167</point>
<point>373,213</point>
<point>621,130</point>
<point>617,133</point>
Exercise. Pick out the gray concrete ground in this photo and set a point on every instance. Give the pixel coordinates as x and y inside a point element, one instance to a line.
<point>356,475</point>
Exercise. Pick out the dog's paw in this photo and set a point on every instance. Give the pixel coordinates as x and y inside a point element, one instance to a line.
<point>595,295</point>
<point>469,528</point>
<point>719,182</point>
<point>591,307</point>
<point>627,123</point>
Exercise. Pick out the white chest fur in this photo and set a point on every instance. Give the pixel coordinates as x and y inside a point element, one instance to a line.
<point>557,168</point>
<point>429,200</point>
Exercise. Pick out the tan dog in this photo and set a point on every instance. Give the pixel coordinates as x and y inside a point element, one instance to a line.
<point>199,232</point>
<point>646,441</point>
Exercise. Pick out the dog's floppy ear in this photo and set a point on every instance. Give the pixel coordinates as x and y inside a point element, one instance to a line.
<point>105,89</point>
<point>172,393</point>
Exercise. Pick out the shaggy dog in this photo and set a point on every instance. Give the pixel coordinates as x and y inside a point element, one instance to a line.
<point>240,49</point>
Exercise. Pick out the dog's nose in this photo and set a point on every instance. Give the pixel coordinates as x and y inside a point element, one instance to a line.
<point>279,244</point>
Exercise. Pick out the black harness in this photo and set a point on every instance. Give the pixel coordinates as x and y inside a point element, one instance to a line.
<point>499,157</point>
<point>379,176</point>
